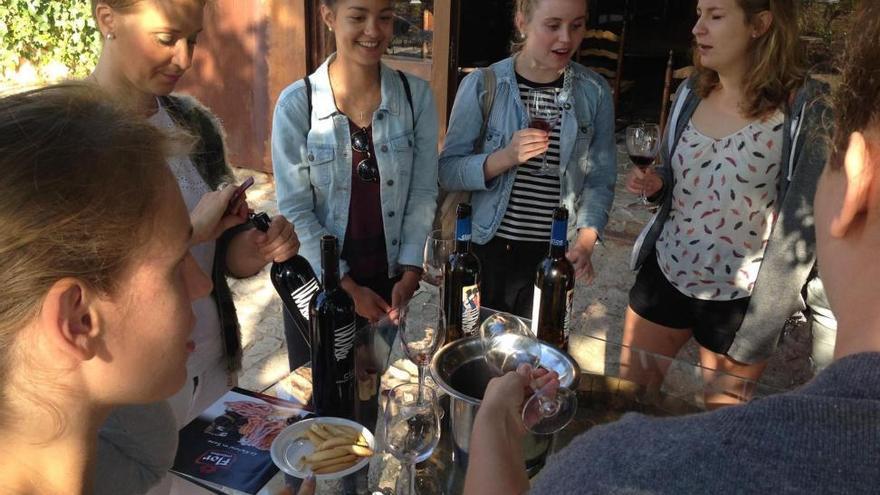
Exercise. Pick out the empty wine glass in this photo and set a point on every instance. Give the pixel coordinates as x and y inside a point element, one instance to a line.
<point>642,145</point>
<point>507,344</point>
<point>421,334</point>
<point>438,247</point>
<point>544,112</point>
<point>412,430</point>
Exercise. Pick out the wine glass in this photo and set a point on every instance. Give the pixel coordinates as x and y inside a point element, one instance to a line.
<point>438,247</point>
<point>421,335</point>
<point>642,145</point>
<point>507,344</point>
<point>544,112</point>
<point>412,430</point>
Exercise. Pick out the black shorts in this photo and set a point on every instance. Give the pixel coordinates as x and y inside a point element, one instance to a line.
<point>714,323</point>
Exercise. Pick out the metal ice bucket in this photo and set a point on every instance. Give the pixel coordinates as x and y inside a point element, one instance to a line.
<point>460,369</point>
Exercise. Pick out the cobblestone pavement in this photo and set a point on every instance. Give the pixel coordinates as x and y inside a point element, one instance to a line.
<point>599,308</point>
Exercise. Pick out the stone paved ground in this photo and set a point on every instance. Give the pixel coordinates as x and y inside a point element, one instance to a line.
<point>599,307</point>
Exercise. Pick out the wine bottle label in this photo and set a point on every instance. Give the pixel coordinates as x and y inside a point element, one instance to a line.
<point>566,326</point>
<point>463,229</point>
<point>303,296</point>
<point>558,233</point>
<point>470,308</point>
<point>343,341</point>
<point>536,310</point>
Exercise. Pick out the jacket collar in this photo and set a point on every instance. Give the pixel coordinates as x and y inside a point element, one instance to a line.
<point>322,93</point>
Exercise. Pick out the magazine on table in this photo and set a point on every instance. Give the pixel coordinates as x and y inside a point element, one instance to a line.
<point>227,446</point>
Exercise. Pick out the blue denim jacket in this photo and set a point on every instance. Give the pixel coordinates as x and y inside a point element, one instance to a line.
<point>588,153</point>
<point>313,167</point>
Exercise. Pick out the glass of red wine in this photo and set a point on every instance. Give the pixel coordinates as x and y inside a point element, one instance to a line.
<point>544,113</point>
<point>642,144</point>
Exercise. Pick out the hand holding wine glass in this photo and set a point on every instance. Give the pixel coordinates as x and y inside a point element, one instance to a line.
<point>544,113</point>
<point>642,144</point>
<point>508,345</point>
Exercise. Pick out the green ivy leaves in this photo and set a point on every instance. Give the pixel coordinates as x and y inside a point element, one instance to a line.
<point>42,31</point>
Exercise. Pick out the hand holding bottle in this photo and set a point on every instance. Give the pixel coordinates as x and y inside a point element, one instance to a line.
<point>279,243</point>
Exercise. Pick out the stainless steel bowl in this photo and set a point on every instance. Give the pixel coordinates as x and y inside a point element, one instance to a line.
<point>460,369</point>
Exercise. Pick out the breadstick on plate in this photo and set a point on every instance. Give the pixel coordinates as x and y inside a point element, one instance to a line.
<point>323,455</point>
<point>334,442</point>
<point>335,467</point>
<point>330,462</point>
<point>359,450</point>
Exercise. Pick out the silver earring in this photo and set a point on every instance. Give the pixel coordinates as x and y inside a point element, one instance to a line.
<point>111,36</point>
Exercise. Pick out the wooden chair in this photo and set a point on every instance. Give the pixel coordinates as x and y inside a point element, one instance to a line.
<point>602,51</point>
<point>672,75</point>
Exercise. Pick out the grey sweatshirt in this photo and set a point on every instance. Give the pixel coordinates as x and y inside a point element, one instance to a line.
<point>821,438</point>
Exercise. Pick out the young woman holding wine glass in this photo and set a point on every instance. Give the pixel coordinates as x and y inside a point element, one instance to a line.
<point>726,256</point>
<point>98,280</point>
<point>523,171</point>
<point>147,47</point>
<point>821,438</point>
<point>354,150</point>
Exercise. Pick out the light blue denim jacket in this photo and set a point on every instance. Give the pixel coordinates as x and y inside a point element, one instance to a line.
<point>588,153</point>
<point>313,167</point>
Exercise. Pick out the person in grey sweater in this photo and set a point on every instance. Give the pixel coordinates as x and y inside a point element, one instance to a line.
<point>821,438</point>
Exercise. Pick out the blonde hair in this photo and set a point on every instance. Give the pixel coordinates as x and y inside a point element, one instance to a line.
<point>527,9</point>
<point>81,181</point>
<point>775,60</point>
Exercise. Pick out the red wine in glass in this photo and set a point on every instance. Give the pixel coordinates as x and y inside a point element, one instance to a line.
<point>540,124</point>
<point>642,161</point>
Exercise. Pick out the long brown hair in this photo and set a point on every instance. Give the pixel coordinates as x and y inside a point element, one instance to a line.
<point>81,182</point>
<point>775,60</point>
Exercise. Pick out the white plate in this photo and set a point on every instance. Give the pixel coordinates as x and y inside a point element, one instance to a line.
<point>291,444</point>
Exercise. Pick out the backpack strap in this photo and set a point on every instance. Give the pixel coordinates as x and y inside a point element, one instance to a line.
<point>308,84</point>
<point>408,92</point>
<point>486,103</point>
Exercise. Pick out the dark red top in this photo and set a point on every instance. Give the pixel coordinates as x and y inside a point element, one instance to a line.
<point>364,245</point>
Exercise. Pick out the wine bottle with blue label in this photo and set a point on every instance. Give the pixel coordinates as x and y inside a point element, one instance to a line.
<point>554,287</point>
<point>461,281</point>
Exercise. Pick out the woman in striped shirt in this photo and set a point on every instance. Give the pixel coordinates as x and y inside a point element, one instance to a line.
<point>514,190</point>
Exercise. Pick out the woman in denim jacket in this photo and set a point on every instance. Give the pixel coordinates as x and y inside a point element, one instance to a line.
<point>355,155</point>
<point>512,202</point>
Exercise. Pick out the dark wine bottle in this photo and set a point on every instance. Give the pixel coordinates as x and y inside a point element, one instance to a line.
<point>294,280</point>
<point>332,322</point>
<point>461,281</point>
<point>554,287</point>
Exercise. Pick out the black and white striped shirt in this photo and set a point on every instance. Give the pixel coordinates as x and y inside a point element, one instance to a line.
<point>530,209</point>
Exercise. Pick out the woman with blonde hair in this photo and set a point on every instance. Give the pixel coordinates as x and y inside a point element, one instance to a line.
<point>148,46</point>
<point>726,256</point>
<point>517,174</point>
